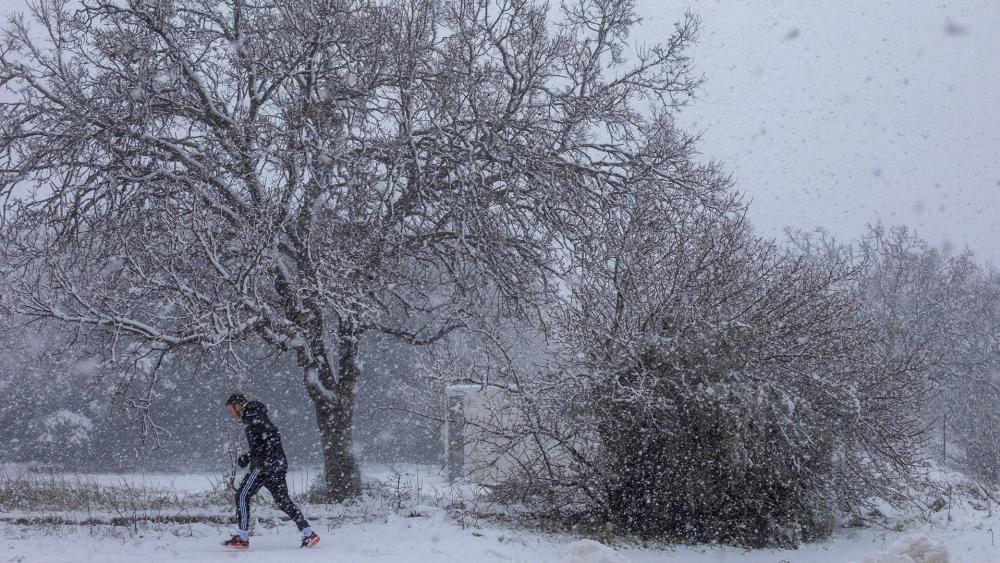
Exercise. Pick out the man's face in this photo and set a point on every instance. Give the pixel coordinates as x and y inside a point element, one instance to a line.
<point>234,411</point>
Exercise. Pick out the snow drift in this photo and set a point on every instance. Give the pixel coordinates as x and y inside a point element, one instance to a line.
<point>912,548</point>
<point>590,551</point>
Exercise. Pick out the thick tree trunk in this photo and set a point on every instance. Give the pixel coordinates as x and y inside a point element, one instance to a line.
<point>335,417</point>
<point>341,472</point>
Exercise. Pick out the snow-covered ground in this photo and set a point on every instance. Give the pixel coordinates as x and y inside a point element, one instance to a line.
<point>399,539</point>
<point>401,525</point>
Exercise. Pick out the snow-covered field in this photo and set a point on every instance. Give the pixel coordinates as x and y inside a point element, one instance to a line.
<point>411,519</point>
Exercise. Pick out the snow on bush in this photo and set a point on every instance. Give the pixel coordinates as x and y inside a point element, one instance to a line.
<point>590,551</point>
<point>740,404</point>
<point>65,427</point>
<point>912,548</point>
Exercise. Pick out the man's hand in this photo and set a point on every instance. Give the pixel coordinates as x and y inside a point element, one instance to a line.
<point>243,460</point>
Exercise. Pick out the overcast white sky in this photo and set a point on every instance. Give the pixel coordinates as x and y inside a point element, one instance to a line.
<point>839,114</point>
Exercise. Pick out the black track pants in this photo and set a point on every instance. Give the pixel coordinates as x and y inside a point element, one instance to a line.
<point>275,483</point>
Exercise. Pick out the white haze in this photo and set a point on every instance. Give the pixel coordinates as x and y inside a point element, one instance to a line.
<point>839,114</point>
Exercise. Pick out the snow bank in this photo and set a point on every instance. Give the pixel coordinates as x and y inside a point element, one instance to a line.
<point>590,551</point>
<point>886,557</point>
<point>912,548</point>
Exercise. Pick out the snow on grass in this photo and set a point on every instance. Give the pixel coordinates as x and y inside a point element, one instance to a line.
<point>411,514</point>
<point>433,538</point>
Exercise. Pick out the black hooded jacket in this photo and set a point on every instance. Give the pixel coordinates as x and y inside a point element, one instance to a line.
<point>263,438</point>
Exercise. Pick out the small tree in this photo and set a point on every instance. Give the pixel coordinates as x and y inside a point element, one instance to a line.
<point>196,173</point>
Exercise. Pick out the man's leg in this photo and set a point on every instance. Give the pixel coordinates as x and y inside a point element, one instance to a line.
<point>248,488</point>
<point>276,484</point>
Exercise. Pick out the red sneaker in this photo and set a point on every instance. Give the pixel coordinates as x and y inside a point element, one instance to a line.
<point>236,542</point>
<point>310,540</point>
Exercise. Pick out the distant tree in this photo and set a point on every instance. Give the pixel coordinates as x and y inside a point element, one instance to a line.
<point>940,313</point>
<point>197,173</point>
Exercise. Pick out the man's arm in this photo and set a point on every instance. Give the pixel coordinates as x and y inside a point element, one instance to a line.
<point>257,428</point>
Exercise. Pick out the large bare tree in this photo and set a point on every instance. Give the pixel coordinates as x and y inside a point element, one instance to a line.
<point>206,174</point>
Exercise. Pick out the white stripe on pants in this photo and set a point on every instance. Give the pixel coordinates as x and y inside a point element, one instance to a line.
<point>244,513</point>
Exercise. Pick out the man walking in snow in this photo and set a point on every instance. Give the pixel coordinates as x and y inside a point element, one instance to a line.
<point>268,467</point>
